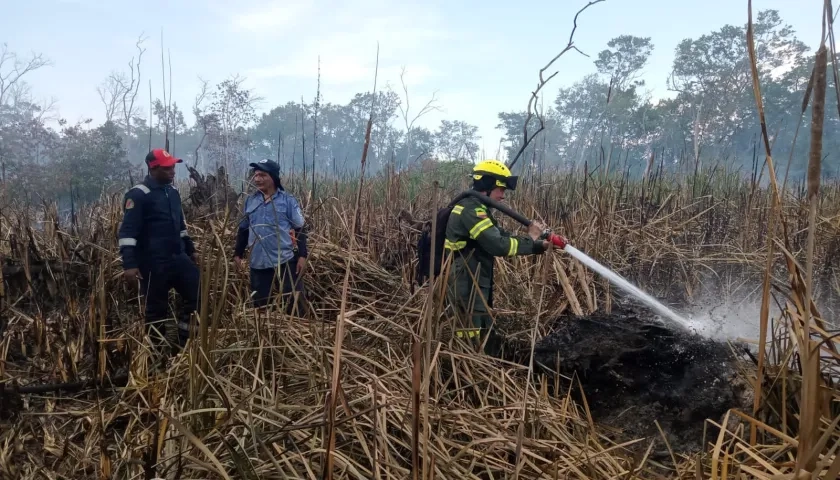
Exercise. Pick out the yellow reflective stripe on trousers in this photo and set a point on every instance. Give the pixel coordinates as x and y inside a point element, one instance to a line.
<point>514,246</point>
<point>480,227</point>
<point>468,332</point>
<point>457,209</point>
<point>454,246</point>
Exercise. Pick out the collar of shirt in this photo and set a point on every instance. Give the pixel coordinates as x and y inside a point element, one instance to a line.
<point>150,182</point>
<point>258,199</point>
<point>273,196</point>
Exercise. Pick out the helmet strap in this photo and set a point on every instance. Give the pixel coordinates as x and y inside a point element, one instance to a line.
<point>485,184</point>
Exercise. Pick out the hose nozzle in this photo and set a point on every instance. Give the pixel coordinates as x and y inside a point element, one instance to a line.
<point>559,241</point>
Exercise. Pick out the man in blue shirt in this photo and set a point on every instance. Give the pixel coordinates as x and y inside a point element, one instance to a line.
<point>272,226</point>
<point>156,249</point>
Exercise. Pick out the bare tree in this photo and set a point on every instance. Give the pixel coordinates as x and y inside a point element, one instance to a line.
<point>430,106</point>
<point>110,92</point>
<point>201,118</point>
<point>13,68</point>
<point>234,109</point>
<point>532,102</point>
<point>20,93</point>
<point>130,86</point>
<point>315,125</point>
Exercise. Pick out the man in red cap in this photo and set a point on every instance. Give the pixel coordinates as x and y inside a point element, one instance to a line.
<point>156,249</point>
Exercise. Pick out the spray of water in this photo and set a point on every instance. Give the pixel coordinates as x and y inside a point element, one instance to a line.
<point>628,287</point>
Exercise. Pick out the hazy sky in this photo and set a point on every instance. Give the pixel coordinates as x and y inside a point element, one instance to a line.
<point>481,57</point>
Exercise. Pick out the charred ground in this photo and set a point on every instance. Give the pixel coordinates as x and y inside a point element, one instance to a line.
<point>635,370</point>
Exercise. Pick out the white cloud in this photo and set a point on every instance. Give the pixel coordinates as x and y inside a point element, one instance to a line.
<point>345,38</point>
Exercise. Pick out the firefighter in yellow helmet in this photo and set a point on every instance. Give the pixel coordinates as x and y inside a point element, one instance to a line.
<point>473,238</point>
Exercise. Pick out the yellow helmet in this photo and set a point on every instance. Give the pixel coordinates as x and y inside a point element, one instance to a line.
<point>497,170</point>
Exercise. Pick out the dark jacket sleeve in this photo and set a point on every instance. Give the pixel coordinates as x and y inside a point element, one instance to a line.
<point>242,234</point>
<point>490,238</point>
<point>538,246</point>
<point>241,241</point>
<point>131,227</point>
<point>301,235</point>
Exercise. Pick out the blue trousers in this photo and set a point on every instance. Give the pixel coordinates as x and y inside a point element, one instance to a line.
<point>181,274</point>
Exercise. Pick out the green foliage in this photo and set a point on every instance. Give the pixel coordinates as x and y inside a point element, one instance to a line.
<point>606,119</point>
<point>626,56</point>
<point>88,162</point>
<point>80,165</point>
<point>456,140</point>
<point>23,137</point>
<point>604,122</point>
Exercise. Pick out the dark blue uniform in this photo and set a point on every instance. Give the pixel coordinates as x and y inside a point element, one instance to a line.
<point>153,238</point>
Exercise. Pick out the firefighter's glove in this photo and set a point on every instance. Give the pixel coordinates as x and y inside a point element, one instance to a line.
<point>535,230</point>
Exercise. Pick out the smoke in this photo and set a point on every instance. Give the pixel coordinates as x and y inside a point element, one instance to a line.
<point>728,320</point>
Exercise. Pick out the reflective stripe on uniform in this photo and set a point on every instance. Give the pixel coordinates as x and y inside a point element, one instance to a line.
<point>457,209</point>
<point>480,227</point>
<point>514,246</point>
<point>454,246</point>
<point>183,233</point>
<point>468,332</point>
<point>184,326</point>
<point>142,188</point>
<point>128,242</point>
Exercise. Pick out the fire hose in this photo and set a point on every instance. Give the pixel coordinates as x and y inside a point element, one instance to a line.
<point>562,243</point>
<point>559,241</point>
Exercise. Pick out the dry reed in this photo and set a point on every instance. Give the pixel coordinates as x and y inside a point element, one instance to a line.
<point>247,399</point>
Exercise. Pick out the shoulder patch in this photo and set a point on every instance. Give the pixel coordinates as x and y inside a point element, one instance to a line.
<point>129,204</point>
<point>481,212</point>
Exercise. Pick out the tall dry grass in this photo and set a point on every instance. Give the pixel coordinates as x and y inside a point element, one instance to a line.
<point>247,400</point>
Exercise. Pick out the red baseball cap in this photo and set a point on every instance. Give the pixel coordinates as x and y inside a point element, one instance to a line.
<point>161,158</point>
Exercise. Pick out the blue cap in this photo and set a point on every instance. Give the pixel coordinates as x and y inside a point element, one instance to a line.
<point>270,167</point>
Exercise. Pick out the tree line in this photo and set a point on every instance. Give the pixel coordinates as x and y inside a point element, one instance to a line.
<point>606,120</point>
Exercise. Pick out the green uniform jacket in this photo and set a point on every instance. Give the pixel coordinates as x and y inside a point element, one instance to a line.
<point>474,239</point>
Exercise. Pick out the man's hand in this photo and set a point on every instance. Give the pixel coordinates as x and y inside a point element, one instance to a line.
<point>240,264</point>
<point>132,275</point>
<point>535,230</point>
<point>301,265</point>
<point>194,257</point>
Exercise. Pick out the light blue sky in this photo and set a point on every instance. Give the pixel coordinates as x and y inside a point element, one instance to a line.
<point>481,57</point>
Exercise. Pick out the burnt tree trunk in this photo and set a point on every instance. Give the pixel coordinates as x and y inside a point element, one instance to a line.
<point>210,195</point>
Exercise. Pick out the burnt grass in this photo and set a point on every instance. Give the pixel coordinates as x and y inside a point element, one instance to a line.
<point>635,370</point>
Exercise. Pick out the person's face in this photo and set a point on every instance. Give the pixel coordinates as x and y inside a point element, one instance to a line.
<point>498,194</point>
<point>263,181</point>
<point>163,175</point>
